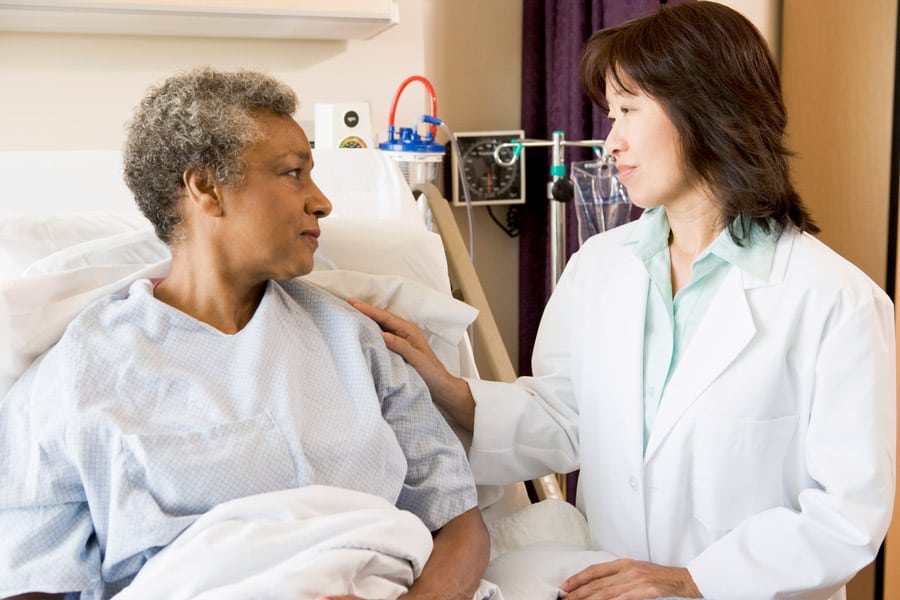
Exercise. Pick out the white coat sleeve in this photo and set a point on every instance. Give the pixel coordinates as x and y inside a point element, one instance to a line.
<point>529,428</point>
<point>850,459</point>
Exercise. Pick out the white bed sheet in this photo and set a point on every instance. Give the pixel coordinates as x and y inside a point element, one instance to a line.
<point>294,544</point>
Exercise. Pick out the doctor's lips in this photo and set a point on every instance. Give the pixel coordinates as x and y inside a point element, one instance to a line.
<point>624,170</point>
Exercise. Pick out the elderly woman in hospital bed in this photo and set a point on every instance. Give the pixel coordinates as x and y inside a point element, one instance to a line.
<point>225,379</point>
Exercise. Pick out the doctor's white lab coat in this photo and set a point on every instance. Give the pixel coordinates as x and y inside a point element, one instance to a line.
<point>769,471</point>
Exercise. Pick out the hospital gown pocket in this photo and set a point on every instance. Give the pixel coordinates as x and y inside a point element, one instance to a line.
<point>738,467</point>
<point>190,472</point>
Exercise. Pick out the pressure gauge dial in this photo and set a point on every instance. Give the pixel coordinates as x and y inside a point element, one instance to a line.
<point>488,182</point>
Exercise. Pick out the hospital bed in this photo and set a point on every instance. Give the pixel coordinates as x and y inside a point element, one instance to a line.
<point>70,233</point>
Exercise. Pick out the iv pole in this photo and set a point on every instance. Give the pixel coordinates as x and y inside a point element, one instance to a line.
<point>559,190</point>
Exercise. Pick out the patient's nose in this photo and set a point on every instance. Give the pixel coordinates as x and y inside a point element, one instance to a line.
<point>318,204</point>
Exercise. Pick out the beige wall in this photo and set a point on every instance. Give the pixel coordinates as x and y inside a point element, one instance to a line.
<point>473,57</point>
<point>76,91</point>
<point>838,70</point>
<point>765,14</point>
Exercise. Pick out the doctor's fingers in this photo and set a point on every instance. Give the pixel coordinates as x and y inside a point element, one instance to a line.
<point>403,337</point>
<point>391,323</point>
<point>626,579</point>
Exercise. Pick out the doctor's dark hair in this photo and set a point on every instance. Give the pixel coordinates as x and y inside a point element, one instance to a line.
<point>711,71</point>
<point>201,118</point>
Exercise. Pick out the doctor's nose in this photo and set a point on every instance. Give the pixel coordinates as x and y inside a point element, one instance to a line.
<point>614,143</point>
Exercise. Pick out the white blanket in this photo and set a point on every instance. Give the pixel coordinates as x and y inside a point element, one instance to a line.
<point>298,544</point>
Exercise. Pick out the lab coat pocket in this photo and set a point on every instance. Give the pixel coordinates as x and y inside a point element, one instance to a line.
<point>190,472</point>
<point>738,467</point>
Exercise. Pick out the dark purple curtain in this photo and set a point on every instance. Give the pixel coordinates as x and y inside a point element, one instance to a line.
<point>552,99</point>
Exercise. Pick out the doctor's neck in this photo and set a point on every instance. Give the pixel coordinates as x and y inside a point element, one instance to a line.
<point>693,227</point>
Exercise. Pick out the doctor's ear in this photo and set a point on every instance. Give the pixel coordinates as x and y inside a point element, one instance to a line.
<point>202,191</point>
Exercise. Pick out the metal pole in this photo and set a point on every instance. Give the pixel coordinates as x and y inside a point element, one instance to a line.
<point>557,211</point>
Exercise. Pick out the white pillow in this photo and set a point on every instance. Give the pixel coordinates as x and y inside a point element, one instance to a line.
<point>98,255</point>
<point>535,572</point>
<point>550,520</point>
<point>383,248</point>
<point>26,239</point>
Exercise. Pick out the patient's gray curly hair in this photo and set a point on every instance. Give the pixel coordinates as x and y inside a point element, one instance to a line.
<point>201,118</point>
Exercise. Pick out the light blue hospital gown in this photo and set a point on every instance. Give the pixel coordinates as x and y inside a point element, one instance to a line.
<point>141,419</point>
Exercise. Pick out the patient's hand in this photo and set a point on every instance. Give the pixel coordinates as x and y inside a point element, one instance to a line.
<point>406,339</point>
<point>630,580</point>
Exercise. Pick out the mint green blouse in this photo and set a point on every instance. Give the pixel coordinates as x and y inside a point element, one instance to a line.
<point>671,322</point>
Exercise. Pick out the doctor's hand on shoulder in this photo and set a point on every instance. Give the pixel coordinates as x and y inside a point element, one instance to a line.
<point>449,392</point>
<point>626,579</point>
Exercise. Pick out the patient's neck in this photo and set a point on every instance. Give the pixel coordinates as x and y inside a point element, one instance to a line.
<point>208,294</point>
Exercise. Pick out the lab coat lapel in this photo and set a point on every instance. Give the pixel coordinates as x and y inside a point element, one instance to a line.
<point>622,363</point>
<point>725,331</point>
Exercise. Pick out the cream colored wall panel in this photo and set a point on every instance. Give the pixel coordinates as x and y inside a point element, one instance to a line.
<point>838,73</point>
<point>474,59</point>
<point>765,14</point>
<point>67,91</point>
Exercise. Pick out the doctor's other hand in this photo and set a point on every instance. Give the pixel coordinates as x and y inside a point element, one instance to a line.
<point>626,579</point>
<point>405,338</point>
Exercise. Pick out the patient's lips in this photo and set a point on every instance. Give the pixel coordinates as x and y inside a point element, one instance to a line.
<point>312,235</point>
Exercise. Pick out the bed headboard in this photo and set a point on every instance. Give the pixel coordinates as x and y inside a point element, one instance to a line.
<point>61,182</point>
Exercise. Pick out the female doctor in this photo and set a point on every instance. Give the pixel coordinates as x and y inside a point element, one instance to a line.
<point>723,381</point>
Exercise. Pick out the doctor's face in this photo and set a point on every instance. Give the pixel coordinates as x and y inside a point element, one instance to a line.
<point>273,215</point>
<point>648,153</point>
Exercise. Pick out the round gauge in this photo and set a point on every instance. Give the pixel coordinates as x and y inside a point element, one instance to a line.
<point>487,179</point>
<point>488,182</point>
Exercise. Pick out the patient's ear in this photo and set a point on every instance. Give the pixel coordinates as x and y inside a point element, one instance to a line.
<point>202,191</point>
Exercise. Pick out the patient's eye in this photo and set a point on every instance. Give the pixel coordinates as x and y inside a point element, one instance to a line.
<point>295,173</point>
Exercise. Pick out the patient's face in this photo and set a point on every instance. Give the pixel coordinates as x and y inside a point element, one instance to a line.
<point>273,216</point>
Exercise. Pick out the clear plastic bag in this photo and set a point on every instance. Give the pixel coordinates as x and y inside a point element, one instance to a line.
<point>601,201</point>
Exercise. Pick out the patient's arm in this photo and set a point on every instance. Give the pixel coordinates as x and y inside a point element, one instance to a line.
<point>449,392</point>
<point>460,556</point>
<point>461,552</point>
